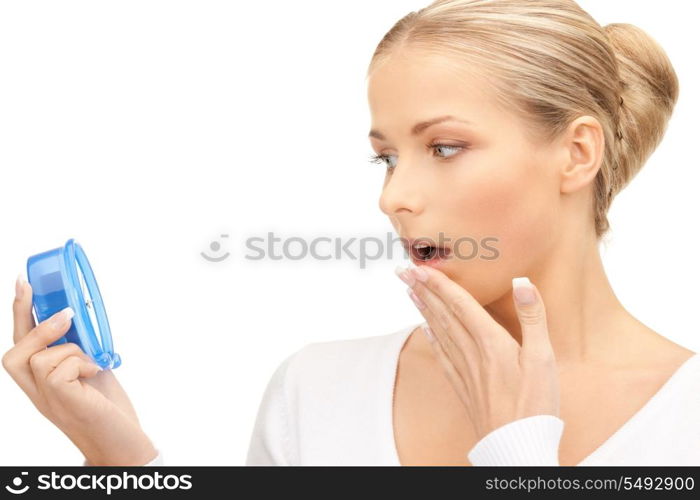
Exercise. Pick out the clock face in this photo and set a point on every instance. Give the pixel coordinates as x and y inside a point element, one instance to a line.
<point>95,326</point>
<point>89,304</point>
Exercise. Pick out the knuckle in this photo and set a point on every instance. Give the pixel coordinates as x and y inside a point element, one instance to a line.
<point>72,347</point>
<point>452,347</point>
<point>443,318</point>
<point>531,316</point>
<point>8,361</point>
<point>458,305</point>
<point>540,356</point>
<point>36,360</point>
<point>463,344</point>
<point>54,379</point>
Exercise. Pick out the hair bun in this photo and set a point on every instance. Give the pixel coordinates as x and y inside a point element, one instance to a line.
<point>648,93</point>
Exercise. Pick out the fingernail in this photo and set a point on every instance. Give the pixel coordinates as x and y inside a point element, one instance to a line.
<point>61,317</point>
<point>420,273</point>
<point>405,276</point>
<point>523,291</point>
<point>428,333</point>
<point>419,303</point>
<point>19,286</point>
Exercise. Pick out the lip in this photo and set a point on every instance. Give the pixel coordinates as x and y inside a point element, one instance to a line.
<point>441,256</point>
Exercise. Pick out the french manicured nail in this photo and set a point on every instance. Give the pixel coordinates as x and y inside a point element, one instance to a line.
<point>405,276</point>
<point>62,317</point>
<point>19,286</point>
<point>429,333</point>
<point>523,291</point>
<point>418,302</point>
<point>419,273</point>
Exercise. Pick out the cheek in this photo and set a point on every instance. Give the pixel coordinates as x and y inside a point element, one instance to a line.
<point>515,207</point>
<point>511,204</point>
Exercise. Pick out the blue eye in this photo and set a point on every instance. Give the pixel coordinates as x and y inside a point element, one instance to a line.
<point>381,159</point>
<point>434,147</point>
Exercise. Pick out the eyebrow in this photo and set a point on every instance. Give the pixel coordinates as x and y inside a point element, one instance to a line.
<point>421,126</point>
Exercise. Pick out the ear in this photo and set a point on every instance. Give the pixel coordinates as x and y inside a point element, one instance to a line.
<point>584,145</point>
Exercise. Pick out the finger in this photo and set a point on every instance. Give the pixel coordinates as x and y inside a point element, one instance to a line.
<point>533,319</point>
<point>463,364</point>
<point>44,362</point>
<point>447,366</point>
<point>414,290</point>
<point>22,309</point>
<point>45,333</point>
<point>449,330</point>
<point>458,300</point>
<point>16,360</point>
<point>63,382</point>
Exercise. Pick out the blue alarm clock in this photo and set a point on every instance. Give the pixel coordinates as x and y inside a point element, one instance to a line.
<point>62,277</point>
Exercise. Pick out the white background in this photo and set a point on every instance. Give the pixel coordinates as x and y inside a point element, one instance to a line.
<point>146,129</point>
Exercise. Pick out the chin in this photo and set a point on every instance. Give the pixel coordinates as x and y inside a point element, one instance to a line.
<point>486,282</point>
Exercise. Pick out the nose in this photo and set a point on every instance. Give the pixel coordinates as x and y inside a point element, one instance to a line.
<point>404,190</point>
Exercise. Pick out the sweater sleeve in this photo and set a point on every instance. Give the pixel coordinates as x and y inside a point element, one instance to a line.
<point>527,441</point>
<point>271,441</point>
<point>158,460</point>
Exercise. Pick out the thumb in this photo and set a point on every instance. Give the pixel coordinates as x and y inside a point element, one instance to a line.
<point>69,371</point>
<point>533,318</point>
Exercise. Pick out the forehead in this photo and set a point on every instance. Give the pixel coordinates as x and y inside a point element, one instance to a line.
<point>412,86</point>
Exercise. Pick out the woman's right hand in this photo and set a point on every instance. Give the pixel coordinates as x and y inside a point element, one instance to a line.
<point>70,390</point>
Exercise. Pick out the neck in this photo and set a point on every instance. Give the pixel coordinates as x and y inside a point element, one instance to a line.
<point>586,321</point>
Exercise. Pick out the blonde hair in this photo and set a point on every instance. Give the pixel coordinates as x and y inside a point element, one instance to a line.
<point>550,62</point>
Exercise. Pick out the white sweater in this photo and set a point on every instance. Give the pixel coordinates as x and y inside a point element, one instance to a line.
<point>331,403</point>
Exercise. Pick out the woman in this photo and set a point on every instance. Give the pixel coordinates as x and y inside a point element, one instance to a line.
<point>550,116</point>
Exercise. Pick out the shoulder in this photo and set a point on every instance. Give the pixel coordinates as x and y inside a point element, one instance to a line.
<point>334,361</point>
<point>690,383</point>
<point>688,376</point>
<point>672,428</point>
<point>683,403</point>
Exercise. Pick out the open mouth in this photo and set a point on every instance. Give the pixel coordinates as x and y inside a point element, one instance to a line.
<point>425,252</point>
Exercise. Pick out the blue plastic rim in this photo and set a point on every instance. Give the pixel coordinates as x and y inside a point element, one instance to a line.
<point>63,277</point>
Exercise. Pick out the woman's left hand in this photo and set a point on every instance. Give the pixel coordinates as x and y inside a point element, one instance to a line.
<point>497,379</point>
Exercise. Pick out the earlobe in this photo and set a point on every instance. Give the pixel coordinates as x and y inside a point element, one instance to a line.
<point>584,144</point>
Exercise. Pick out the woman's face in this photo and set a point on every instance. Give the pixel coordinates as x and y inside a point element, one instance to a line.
<point>481,181</point>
